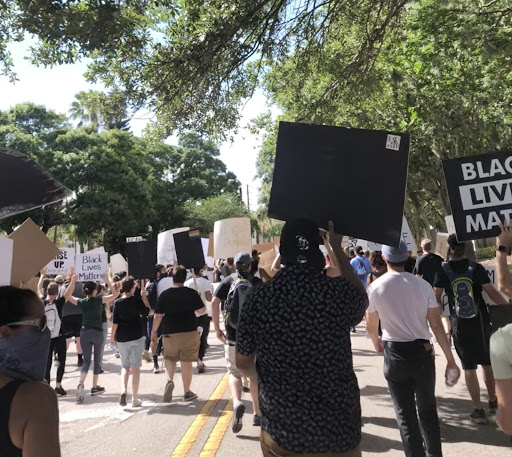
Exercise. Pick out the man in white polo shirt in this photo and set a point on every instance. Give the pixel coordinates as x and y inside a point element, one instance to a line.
<point>405,306</point>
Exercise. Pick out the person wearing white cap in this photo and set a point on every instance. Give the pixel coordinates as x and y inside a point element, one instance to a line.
<point>405,306</point>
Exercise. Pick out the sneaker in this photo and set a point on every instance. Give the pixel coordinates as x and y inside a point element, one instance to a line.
<point>189,396</point>
<point>156,370</point>
<point>136,403</point>
<point>478,416</point>
<point>245,385</point>
<point>147,356</point>
<point>201,368</point>
<point>169,387</point>
<point>60,391</point>
<point>97,390</point>
<point>493,407</point>
<point>101,371</point>
<point>238,413</point>
<point>353,330</point>
<point>122,400</point>
<point>118,356</point>
<point>80,393</point>
<point>256,420</point>
<point>80,363</point>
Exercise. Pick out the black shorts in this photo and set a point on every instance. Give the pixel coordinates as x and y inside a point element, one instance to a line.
<point>473,347</point>
<point>71,325</point>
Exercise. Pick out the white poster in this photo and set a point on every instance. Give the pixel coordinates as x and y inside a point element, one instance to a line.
<point>6,248</point>
<point>406,237</point>
<point>118,263</point>
<point>450,224</point>
<point>91,267</point>
<point>62,263</point>
<point>166,252</point>
<point>231,236</point>
<point>206,243</point>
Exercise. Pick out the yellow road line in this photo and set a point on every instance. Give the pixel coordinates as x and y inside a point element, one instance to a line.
<point>191,435</point>
<point>213,443</point>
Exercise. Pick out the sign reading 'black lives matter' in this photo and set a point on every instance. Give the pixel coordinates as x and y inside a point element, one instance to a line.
<point>480,191</point>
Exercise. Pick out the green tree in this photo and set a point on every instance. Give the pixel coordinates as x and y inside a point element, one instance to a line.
<point>203,214</point>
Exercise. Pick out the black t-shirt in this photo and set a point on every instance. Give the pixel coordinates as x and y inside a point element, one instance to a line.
<point>480,277</point>
<point>128,313</point>
<point>409,265</point>
<point>427,266</point>
<point>178,305</point>
<point>222,294</point>
<point>59,304</point>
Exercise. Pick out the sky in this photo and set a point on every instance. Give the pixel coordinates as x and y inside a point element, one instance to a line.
<point>56,87</point>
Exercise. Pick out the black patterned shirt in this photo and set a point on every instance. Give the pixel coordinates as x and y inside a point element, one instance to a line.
<point>298,325</point>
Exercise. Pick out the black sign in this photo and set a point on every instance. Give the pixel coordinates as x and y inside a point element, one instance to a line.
<point>480,192</point>
<point>24,185</point>
<point>189,249</point>
<point>356,178</point>
<point>142,259</point>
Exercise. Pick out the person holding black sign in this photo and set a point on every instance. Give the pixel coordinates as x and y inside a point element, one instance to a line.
<point>464,282</point>
<point>501,339</point>
<point>405,306</point>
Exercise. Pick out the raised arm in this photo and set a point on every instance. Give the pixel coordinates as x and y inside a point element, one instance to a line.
<point>68,295</point>
<point>40,288</point>
<point>114,292</point>
<point>504,276</point>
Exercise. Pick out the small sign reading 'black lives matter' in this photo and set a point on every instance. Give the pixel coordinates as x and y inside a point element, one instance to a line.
<point>480,192</point>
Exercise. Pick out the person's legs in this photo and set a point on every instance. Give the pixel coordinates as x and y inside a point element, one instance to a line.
<point>60,348</point>
<point>400,375</point>
<point>50,360</point>
<point>125,375</point>
<point>135,382</point>
<point>186,374</point>
<point>254,395</point>
<point>97,339</point>
<point>204,323</point>
<point>473,387</point>
<point>105,335</point>
<point>489,382</point>
<point>170,368</point>
<point>87,346</point>
<point>504,415</point>
<point>427,408</point>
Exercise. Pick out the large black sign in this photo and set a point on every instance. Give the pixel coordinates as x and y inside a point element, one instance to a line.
<point>480,192</point>
<point>356,178</point>
<point>189,249</point>
<point>142,259</point>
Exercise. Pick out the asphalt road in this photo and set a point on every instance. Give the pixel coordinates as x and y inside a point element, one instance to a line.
<point>101,427</point>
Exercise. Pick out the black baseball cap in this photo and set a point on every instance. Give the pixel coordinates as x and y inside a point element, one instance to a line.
<point>454,243</point>
<point>300,244</point>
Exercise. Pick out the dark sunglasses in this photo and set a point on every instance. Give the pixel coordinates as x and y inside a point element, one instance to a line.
<point>39,323</point>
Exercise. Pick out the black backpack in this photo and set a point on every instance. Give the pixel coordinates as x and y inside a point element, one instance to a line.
<point>152,293</point>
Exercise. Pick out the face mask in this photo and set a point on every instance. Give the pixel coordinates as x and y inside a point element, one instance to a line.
<point>24,355</point>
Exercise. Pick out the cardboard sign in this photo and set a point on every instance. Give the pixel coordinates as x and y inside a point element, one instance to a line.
<point>24,185</point>
<point>32,251</point>
<point>442,245</point>
<point>206,248</point>
<point>480,192</point>
<point>118,264</point>
<point>189,249</point>
<point>450,224</point>
<point>210,245</point>
<point>142,259</point>
<point>266,260</point>
<point>232,236</point>
<point>166,254</point>
<point>91,267</point>
<point>324,173</point>
<point>62,263</point>
<point>6,249</point>
<point>32,284</point>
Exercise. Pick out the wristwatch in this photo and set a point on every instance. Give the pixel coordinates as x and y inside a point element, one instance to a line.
<point>503,249</point>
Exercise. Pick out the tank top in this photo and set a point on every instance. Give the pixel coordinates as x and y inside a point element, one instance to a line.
<point>6,395</point>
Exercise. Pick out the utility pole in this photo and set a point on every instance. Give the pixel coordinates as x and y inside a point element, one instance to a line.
<point>248,201</point>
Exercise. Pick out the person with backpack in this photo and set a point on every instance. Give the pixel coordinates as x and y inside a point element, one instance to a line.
<point>233,291</point>
<point>463,281</point>
<point>361,265</point>
<point>176,310</point>
<point>53,310</point>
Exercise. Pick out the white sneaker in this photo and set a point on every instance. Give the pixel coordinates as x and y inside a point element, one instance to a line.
<point>136,403</point>
<point>147,356</point>
<point>80,393</point>
<point>156,370</point>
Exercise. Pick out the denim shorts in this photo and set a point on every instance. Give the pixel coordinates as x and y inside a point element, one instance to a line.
<point>131,353</point>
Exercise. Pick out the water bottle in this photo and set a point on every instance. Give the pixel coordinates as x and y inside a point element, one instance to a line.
<point>451,377</point>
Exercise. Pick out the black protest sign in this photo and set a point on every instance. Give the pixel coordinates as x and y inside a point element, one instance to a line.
<point>189,249</point>
<point>142,259</point>
<point>356,178</point>
<point>480,192</point>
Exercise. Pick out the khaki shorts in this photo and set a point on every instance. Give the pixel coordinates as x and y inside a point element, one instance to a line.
<point>230,353</point>
<point>182,347</point>
<point>501,352</point>
<point>271,449</point>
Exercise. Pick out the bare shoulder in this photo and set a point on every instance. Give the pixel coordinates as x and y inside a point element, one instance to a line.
<point>36,393</point>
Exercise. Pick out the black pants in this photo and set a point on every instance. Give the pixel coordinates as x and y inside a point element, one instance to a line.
<point>204,322</point>
<point>57,345</point>
<point>409,369</point>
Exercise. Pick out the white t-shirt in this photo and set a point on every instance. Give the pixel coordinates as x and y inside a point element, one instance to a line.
<point>203,285</point>
<point>402,301</point>
<point>163,284</point>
